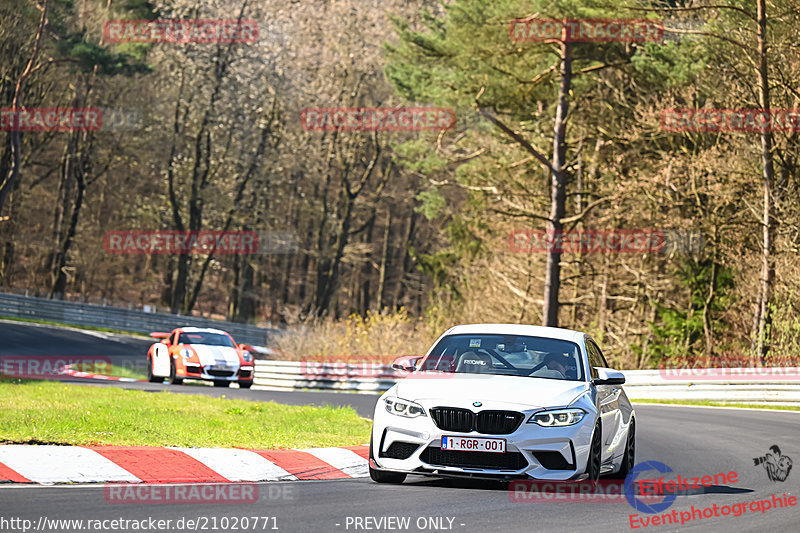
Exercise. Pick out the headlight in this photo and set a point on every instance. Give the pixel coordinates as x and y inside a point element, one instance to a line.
<point>246,357</point>
<point>186,353</point>
<point>558,417</point>
<point>399,407</point>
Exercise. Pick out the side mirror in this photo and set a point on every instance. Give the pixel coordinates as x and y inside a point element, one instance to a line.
<point>406,363</point>
<point>606,376</point>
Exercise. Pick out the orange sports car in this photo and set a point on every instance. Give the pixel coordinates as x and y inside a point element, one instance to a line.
<point>199,353</point>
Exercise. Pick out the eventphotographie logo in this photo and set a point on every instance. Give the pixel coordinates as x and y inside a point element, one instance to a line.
<point>777,465</point>
<point>644,505</point>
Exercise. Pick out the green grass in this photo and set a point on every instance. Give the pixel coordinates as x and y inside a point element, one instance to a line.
<point>723,404</point>
<point>43,412</point>
<point>76,326</point>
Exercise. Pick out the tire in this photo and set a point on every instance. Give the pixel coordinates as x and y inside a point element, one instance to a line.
<point>245,384</point>
<point>595,455</point>
<point>150,377</point>
<point>173,379</point>
<point>221,383</point>
<point>379,476</point>
<point>629,459</point>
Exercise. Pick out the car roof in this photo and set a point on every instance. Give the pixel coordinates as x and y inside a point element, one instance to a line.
<point>517,329</point>
<point>202,330</point>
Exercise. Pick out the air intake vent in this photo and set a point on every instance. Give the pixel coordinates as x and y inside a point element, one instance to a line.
<point>453,419</point>
<point>498,422</point>
<point>553,461</point>
<point>400,450</point>
<point>490,461</point>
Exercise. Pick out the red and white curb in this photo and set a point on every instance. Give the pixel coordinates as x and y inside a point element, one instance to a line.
<point>114,464</point>
<point>69,371</point>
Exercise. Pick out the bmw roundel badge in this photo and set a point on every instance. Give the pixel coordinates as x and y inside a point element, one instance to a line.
<point>477,404</point>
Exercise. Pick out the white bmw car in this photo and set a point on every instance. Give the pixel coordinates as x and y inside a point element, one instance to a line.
<point>505,401</point>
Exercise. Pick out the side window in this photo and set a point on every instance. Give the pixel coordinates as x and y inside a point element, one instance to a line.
<point>602,357</point>
<point>595,357</point>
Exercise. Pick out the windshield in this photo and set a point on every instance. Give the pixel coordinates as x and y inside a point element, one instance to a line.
<point>508,355</point>
<point>211,339</point>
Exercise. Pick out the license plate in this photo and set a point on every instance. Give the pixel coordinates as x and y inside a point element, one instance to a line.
<point>224,368</point>
<point>473,444</point>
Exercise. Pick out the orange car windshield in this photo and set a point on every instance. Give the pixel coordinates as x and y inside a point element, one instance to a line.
<point>209,339</point>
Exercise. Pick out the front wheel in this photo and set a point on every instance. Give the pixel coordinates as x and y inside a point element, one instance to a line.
<point>595,455</point>
<point>173,378</point>
<point>150,377</point>
<point>245,384</point>
<point>379,476</point>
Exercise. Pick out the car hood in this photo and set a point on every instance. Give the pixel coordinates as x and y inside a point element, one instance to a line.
<point>463,389</point>
<point>215,355</point>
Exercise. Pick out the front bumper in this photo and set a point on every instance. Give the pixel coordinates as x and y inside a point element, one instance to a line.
<point>233,373</point>
<point>413,445</point>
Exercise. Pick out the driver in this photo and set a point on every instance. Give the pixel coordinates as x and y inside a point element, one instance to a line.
<point>557,362</point>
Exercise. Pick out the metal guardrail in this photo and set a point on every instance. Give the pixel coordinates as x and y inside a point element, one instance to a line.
<point>309,375</point>
<point>781,388</point>
<point>82,314</point>
<point>766,385</point>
